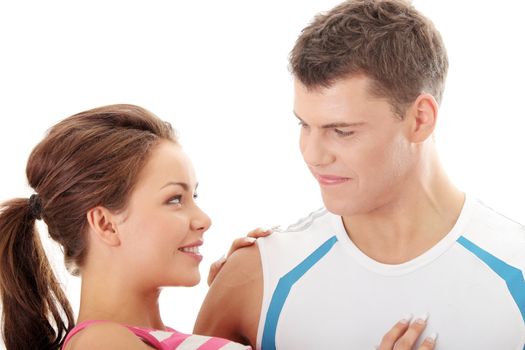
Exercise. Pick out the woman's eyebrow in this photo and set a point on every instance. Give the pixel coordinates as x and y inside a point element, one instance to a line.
<point>184,185</point>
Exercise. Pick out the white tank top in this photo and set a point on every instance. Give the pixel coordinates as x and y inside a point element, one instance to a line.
<point>322,292</point>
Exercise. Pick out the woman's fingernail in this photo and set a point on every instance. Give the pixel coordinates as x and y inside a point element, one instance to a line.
<point>406,319</point>
<point>250,239</point>
<point>422,319</point>
<point>220,261</point>
<point>431,338</point>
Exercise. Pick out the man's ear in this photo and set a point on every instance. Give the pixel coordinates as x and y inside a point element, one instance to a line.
<point>103,224</point>
<point>423,115</point>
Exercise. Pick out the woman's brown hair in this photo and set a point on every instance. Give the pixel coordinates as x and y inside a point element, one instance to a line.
<point>89,159</point>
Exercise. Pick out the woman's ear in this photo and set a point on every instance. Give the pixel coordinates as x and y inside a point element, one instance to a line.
<point>103,224</point>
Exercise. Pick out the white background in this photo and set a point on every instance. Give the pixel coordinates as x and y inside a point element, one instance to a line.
<point>217,70</point>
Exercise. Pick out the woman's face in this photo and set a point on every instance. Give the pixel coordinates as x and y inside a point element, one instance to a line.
<point>162,227</point>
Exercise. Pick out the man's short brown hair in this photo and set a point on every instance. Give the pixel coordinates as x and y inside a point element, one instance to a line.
<point>387,40</point>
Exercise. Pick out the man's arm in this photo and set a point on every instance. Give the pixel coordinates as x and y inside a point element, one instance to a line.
<point>232,307</point>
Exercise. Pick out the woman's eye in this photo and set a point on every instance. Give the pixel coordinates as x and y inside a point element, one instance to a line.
<point>175,200</point>
<point>343,133</point>
<point>303,124</point>
<point>195,195</point>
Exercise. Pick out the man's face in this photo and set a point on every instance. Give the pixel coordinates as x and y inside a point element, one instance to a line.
<point>354,145</point>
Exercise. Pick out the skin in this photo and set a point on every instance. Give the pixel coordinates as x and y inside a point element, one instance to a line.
<point>146,238</point>
<point>379,172</point>
<point>132,254</point>
<point>392,183</point>
<point>238,289</point>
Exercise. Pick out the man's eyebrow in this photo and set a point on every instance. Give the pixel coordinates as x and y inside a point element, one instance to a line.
<point>333,125</point>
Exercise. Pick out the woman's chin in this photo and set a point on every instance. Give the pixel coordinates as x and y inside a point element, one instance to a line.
<point>189,281</point>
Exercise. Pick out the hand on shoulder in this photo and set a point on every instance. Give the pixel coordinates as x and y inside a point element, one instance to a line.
<point>243,242</point>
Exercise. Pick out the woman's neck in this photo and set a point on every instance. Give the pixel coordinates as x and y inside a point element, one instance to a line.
<point>107,298</point>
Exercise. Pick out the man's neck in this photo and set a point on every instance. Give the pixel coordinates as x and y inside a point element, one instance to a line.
<point>409,224</point>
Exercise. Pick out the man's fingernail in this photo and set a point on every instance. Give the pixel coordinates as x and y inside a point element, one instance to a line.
<point>250,239</point>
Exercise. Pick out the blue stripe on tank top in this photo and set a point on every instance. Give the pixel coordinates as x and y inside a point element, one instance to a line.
<point>283,288</point>
<point>512,276</point>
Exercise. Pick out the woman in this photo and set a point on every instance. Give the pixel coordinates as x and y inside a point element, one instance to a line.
<point>118,194</point>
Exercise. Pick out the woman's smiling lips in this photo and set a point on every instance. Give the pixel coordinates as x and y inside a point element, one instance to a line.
<point>329,180</point>
<point>192,249</point>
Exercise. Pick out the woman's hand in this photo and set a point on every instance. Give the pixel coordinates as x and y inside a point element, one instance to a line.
<point>404,335</point>
<point>246,241</point>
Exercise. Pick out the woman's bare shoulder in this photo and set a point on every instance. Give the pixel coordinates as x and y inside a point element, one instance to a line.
<point>106,335</point>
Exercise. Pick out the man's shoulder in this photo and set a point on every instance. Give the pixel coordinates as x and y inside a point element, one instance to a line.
<point>285,249</point>
<point>316,224</point>
<point>488,221</point>
<point>490,232</point>
<point>311,221</point>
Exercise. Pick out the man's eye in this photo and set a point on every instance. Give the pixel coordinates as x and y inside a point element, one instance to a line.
<point>343,133</point>
<point>175,200</point>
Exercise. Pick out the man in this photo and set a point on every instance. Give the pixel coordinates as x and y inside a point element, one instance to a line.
<point>396,235</point>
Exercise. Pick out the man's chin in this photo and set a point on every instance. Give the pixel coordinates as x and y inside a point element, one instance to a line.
<point>345,205</point>
<point>339,207</point>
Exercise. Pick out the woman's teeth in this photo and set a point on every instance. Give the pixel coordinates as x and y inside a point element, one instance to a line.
<point>194,250</point>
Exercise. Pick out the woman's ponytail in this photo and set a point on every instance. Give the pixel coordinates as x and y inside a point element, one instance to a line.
<point>35,311</point>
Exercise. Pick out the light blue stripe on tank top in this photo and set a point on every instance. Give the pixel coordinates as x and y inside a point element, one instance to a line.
<point>283,288</point>
<point>512,276</point>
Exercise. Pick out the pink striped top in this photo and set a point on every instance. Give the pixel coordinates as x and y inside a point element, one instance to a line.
<point>170,339</point>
